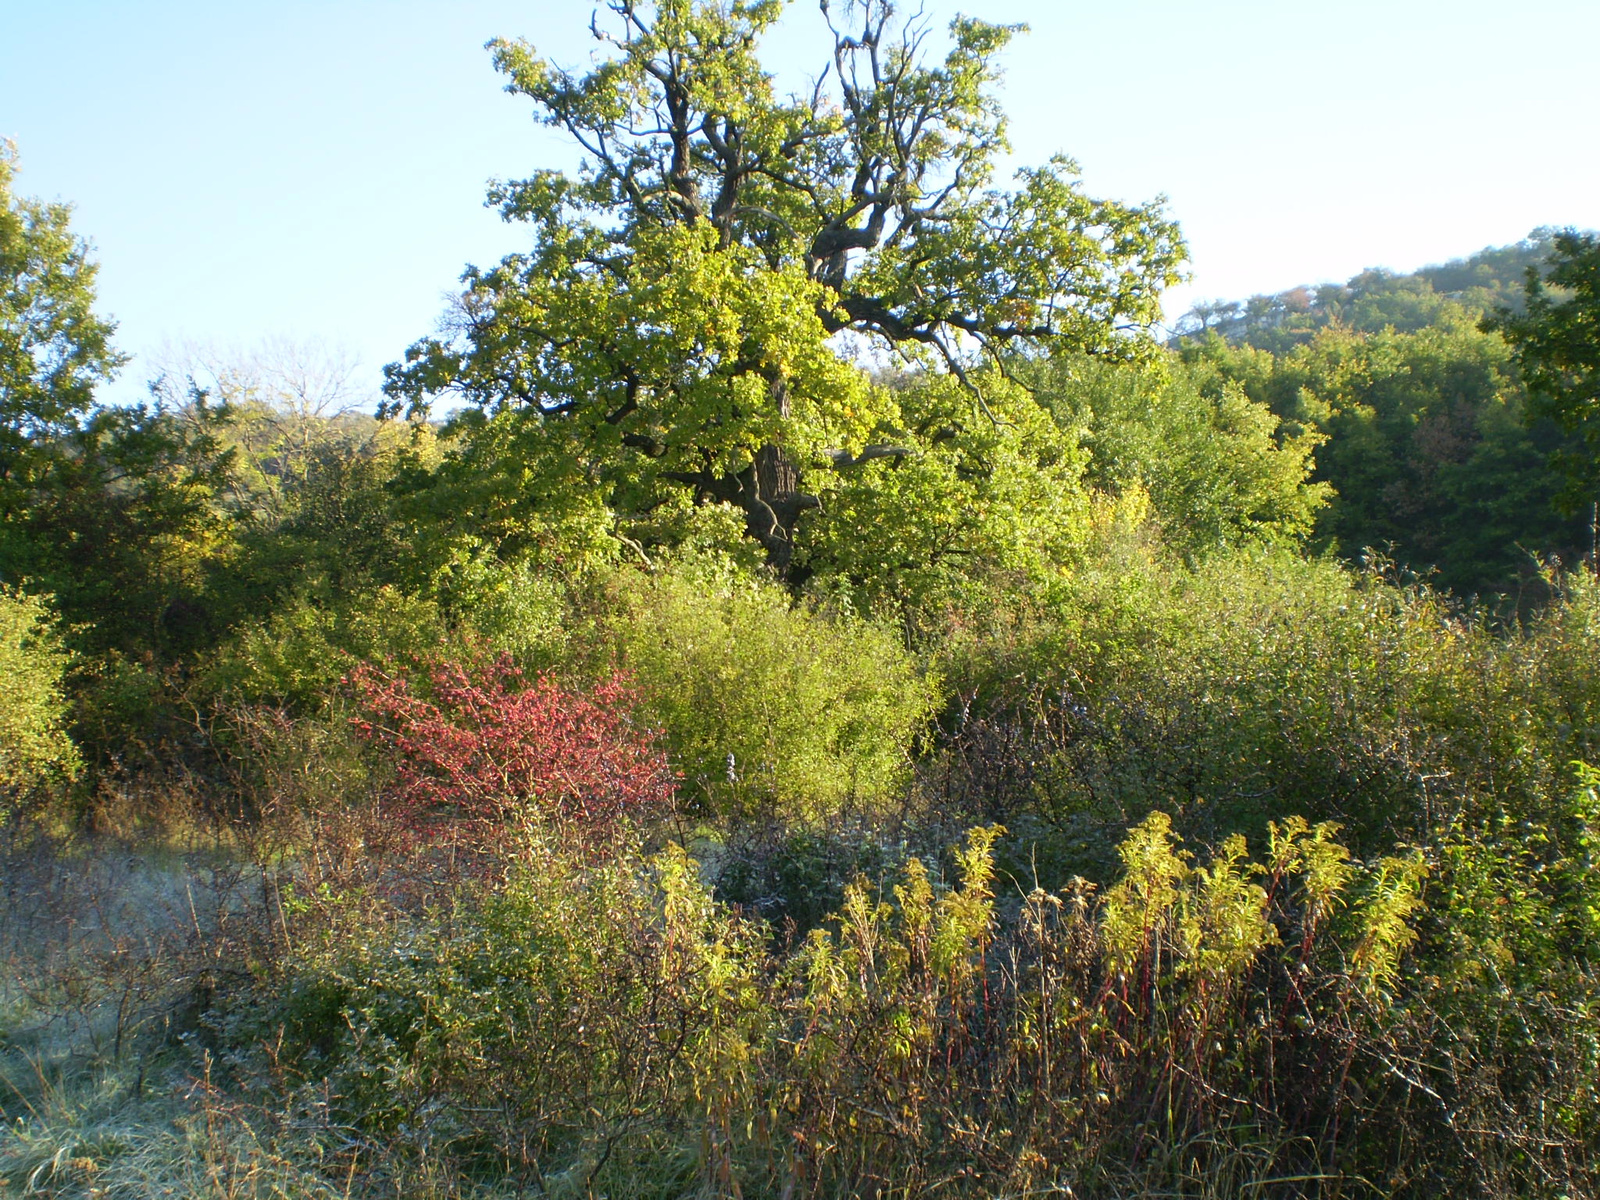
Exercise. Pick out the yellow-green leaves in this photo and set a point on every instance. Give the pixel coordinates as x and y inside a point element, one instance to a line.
<point>34,747</point>
<point>1221,469</point>
<point>1138,909</point>
<point>1323,866</point>
<point>54,350</point>
<point>1225,925</point>
<point>1391,899</point>
<point>627,378</point>
<point>917,959</point>
<point>768,707</point>
<point>675,319</point>
<point>1166,918</point>
<point>991,487</point>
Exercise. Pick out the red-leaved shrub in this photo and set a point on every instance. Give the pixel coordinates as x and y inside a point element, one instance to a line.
<point>491,746</point>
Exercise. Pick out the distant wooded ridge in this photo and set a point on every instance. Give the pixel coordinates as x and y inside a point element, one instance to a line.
<point>1374,299</point>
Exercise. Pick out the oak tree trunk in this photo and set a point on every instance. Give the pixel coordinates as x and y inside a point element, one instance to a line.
<point>773,500</point>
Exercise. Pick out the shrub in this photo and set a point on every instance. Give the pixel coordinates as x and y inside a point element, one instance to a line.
<point>1118,1048</point>
<point>570,1025</point>
<point>1252,685</point>
<point>769,706</point>
<point>1221,470</point>
<point>490,747</point>
<point>35,751</point>
<point>514,609</point>
<point>1511,944</point>
<point>1242,1027</point>
<point>298,655</point>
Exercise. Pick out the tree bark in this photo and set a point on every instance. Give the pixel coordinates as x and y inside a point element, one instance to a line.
<point>772,499</point>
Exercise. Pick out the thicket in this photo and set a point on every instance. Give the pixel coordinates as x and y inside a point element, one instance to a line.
<point>1261,683</point>
<point>443,962</point>
<point>642,1037</point>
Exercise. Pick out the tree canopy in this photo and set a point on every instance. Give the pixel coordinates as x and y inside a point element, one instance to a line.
<point>672,341</point>
<point>54,349</point>
<point>1557,343</point>
<point>1376,299</point>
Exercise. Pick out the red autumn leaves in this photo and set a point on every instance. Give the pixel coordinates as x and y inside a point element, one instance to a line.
<point>486,744</point>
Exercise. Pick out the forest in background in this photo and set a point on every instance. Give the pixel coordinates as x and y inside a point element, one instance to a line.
<point>1433,453</point>
<point>798,690</point>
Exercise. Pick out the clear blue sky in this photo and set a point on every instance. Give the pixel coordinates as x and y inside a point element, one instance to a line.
<point>316,168</point>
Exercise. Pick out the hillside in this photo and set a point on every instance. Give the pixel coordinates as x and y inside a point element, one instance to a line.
<point>1422,416</point>
<point>1374,300</point>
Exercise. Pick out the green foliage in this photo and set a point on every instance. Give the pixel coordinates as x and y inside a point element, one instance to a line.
<point>995,494</point>
<point>1030,570</point>
<point>1297,848</point>
<point>607,1027</point>
<point>793,873</point>
<point>675,348</point>
<point>126,521</point>
<point>108,509</point>
<point>486,502</point>
<point>1220,468</point>
<point>1435,451</point>
<point>669,342</point>
<point>1243,687</point>
<point>1376,300</point>
<point>1426,444</point>
<point>322,514</point>
<point>1557,341</point>
<point>769,706</point>
<point>878,984</point>
<point>299,654</point>
<point>53,348</point>
<point>540,618</point>
<point>1509,937</point>
<point>593,1010</point>
<point>35,751</point>
<point>1392,901</point>
<point>1217,921</point>
<point>1138,906</point>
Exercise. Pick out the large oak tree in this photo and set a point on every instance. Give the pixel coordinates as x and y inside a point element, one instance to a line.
<point>686,334</point>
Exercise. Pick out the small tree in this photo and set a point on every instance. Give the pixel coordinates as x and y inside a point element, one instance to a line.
<point>53,348</point>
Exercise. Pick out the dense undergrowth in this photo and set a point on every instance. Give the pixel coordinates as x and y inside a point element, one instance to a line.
<point>1065,937</point>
